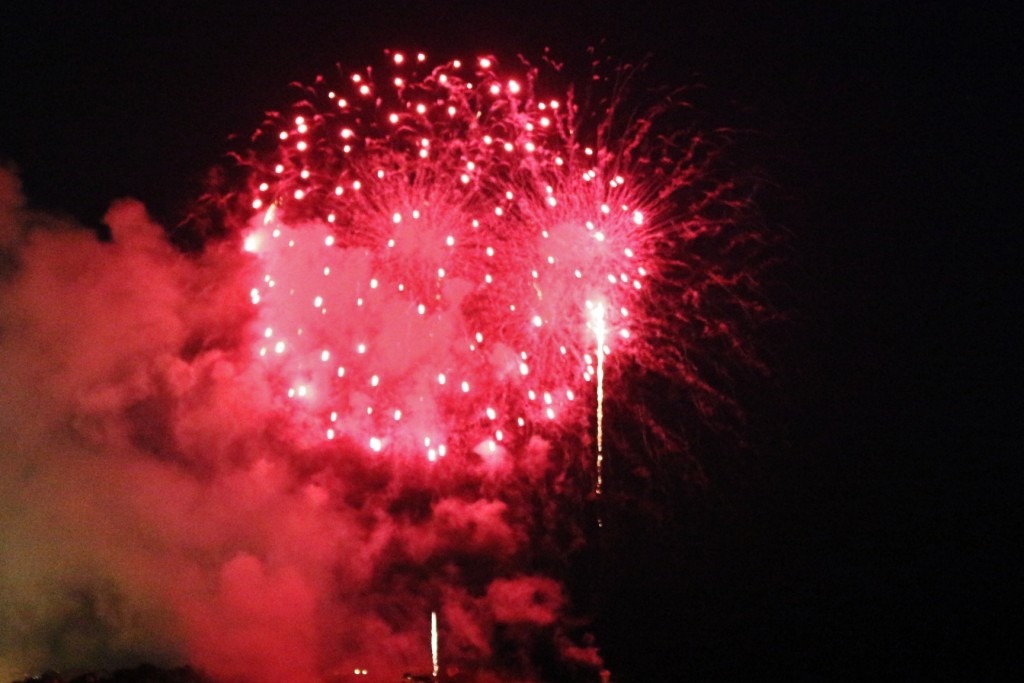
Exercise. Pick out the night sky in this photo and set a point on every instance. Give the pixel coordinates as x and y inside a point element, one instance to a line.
<point>858,523</point>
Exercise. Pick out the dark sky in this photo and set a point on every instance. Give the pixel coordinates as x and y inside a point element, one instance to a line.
<point>868,531</point>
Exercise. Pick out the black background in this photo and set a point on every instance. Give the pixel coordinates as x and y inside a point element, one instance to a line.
<point>868,534</point>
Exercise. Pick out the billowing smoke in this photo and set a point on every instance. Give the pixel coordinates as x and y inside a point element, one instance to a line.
<point>154,505</point>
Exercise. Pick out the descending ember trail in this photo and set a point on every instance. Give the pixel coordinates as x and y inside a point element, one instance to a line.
<point>439,248</point>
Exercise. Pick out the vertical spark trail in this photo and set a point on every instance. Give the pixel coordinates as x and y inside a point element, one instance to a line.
<point>376,398</point>
<point>597,323</point>
<point>434,660</point>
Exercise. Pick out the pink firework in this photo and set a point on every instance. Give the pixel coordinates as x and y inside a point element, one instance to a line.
<point>446,257</point>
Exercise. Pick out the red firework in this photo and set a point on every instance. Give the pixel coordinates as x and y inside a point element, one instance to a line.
<point>446,257</point>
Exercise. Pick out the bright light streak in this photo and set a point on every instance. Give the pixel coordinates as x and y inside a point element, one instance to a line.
<point>434,661</point>
<point>597,323</point>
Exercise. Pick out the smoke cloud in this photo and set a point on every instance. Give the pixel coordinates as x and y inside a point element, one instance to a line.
<point>155,506</point>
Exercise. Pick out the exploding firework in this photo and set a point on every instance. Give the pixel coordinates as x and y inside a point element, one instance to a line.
<point>449,256</point>
<point>462,264</point>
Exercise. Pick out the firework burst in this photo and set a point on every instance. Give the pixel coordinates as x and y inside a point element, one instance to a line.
<point>449,256</point>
